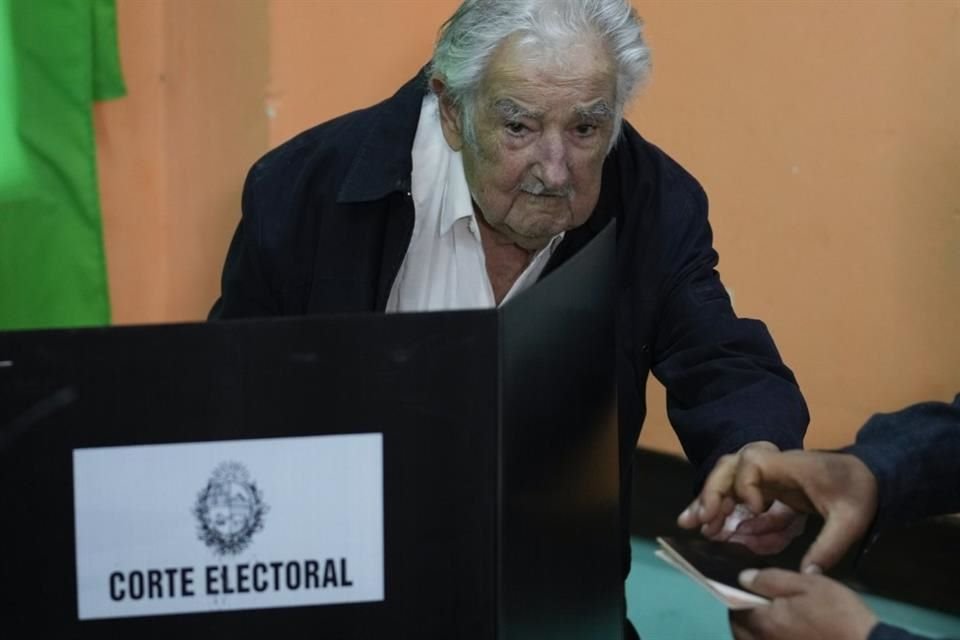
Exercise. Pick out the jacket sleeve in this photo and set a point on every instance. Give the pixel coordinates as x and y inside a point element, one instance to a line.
<point>245,287</point>
<point>885,632</point>
<point>726,383</point>
<point>913,453</point>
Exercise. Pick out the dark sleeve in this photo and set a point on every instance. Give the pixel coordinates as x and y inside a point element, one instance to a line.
<point>914,455</point>
<point>886,632</point>
<point>245,286</point>
<point>726,383</point>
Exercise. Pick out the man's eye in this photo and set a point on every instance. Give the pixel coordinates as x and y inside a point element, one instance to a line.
<point>516,128</point>
<point>586,130</point>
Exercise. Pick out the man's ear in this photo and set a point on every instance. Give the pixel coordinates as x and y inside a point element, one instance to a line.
<point>449,115</point>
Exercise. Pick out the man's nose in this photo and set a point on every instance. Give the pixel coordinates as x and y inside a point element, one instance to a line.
<point>554,168</point>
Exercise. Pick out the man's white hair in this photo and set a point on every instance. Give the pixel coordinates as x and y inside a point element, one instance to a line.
<point>470,37</point>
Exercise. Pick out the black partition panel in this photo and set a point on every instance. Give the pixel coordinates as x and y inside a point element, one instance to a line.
<point>559,502</point>
<point>499,455</point>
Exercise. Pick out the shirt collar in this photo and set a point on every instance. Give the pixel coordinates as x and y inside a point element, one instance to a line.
<point>438,181</point>
<point>457,200</point>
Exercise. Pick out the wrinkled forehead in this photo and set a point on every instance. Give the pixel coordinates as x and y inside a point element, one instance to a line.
<point>579,71</point>
<point>580,62</point>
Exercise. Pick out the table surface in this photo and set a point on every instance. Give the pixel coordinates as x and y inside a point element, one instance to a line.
<point>663,604</point>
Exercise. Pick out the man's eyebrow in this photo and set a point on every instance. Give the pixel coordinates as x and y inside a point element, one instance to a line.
<point>599,111</point>
<point>511,111</point>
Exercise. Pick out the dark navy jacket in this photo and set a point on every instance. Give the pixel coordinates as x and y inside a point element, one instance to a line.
<point>914,455</point>
<point>327,220</point>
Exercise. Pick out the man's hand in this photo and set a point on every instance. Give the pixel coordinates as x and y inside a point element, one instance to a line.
<point>802,607</point>
<point>765,528</point>
<point>837,486</point>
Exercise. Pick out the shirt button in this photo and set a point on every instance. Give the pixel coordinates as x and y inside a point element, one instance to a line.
<point>473,225</point>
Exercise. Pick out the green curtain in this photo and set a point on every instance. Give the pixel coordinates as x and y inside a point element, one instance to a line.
<point>56,58</point>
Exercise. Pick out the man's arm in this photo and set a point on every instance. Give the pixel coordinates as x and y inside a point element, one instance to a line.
<point>726,383</point>
<point>245,289</point>
<point>728,391</point>
<point>913,454</point>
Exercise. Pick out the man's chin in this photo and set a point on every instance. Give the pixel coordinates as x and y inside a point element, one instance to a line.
<point>529,243</point>
<point>535,239</point>
<point>541,234</point>
<point>537,229</point>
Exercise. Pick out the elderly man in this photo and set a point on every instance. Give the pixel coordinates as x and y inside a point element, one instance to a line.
<point>497,163</point>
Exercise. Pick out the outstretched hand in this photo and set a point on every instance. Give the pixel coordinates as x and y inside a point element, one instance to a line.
<point>719,516</point>
<point>761,480</point>
<point>802,607</point>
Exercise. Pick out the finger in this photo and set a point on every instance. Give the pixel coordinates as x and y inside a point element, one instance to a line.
<point>718,485</point>
<point>836,537</point>
<point>727,517</point>
<point>777,476</point>
<point>776,518</point>
<point>715,530</point>
<point>727,520</point>
<point>775,583</point>
<point>727,506</point>
<point>690,518</point>
<point>773,541</point>
<point>766,523</point>
<point>748,481</point>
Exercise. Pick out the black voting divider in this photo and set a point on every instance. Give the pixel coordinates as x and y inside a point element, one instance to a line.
<point>501,515</point>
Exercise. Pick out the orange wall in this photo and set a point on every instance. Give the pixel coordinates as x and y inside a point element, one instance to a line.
<point>174,152</point>
<point>828,137</point>
<point>826,134</point>
<point>328,57</point>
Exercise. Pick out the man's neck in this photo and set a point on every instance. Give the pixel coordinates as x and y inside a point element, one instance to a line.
<point>505,260</point>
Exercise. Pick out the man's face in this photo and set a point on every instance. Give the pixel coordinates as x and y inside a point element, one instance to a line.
<point>543,126</point>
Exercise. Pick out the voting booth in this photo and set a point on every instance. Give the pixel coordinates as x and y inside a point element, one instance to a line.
<point>442,475</point>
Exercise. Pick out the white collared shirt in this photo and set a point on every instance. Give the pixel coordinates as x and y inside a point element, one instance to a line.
<point>445,267</point>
